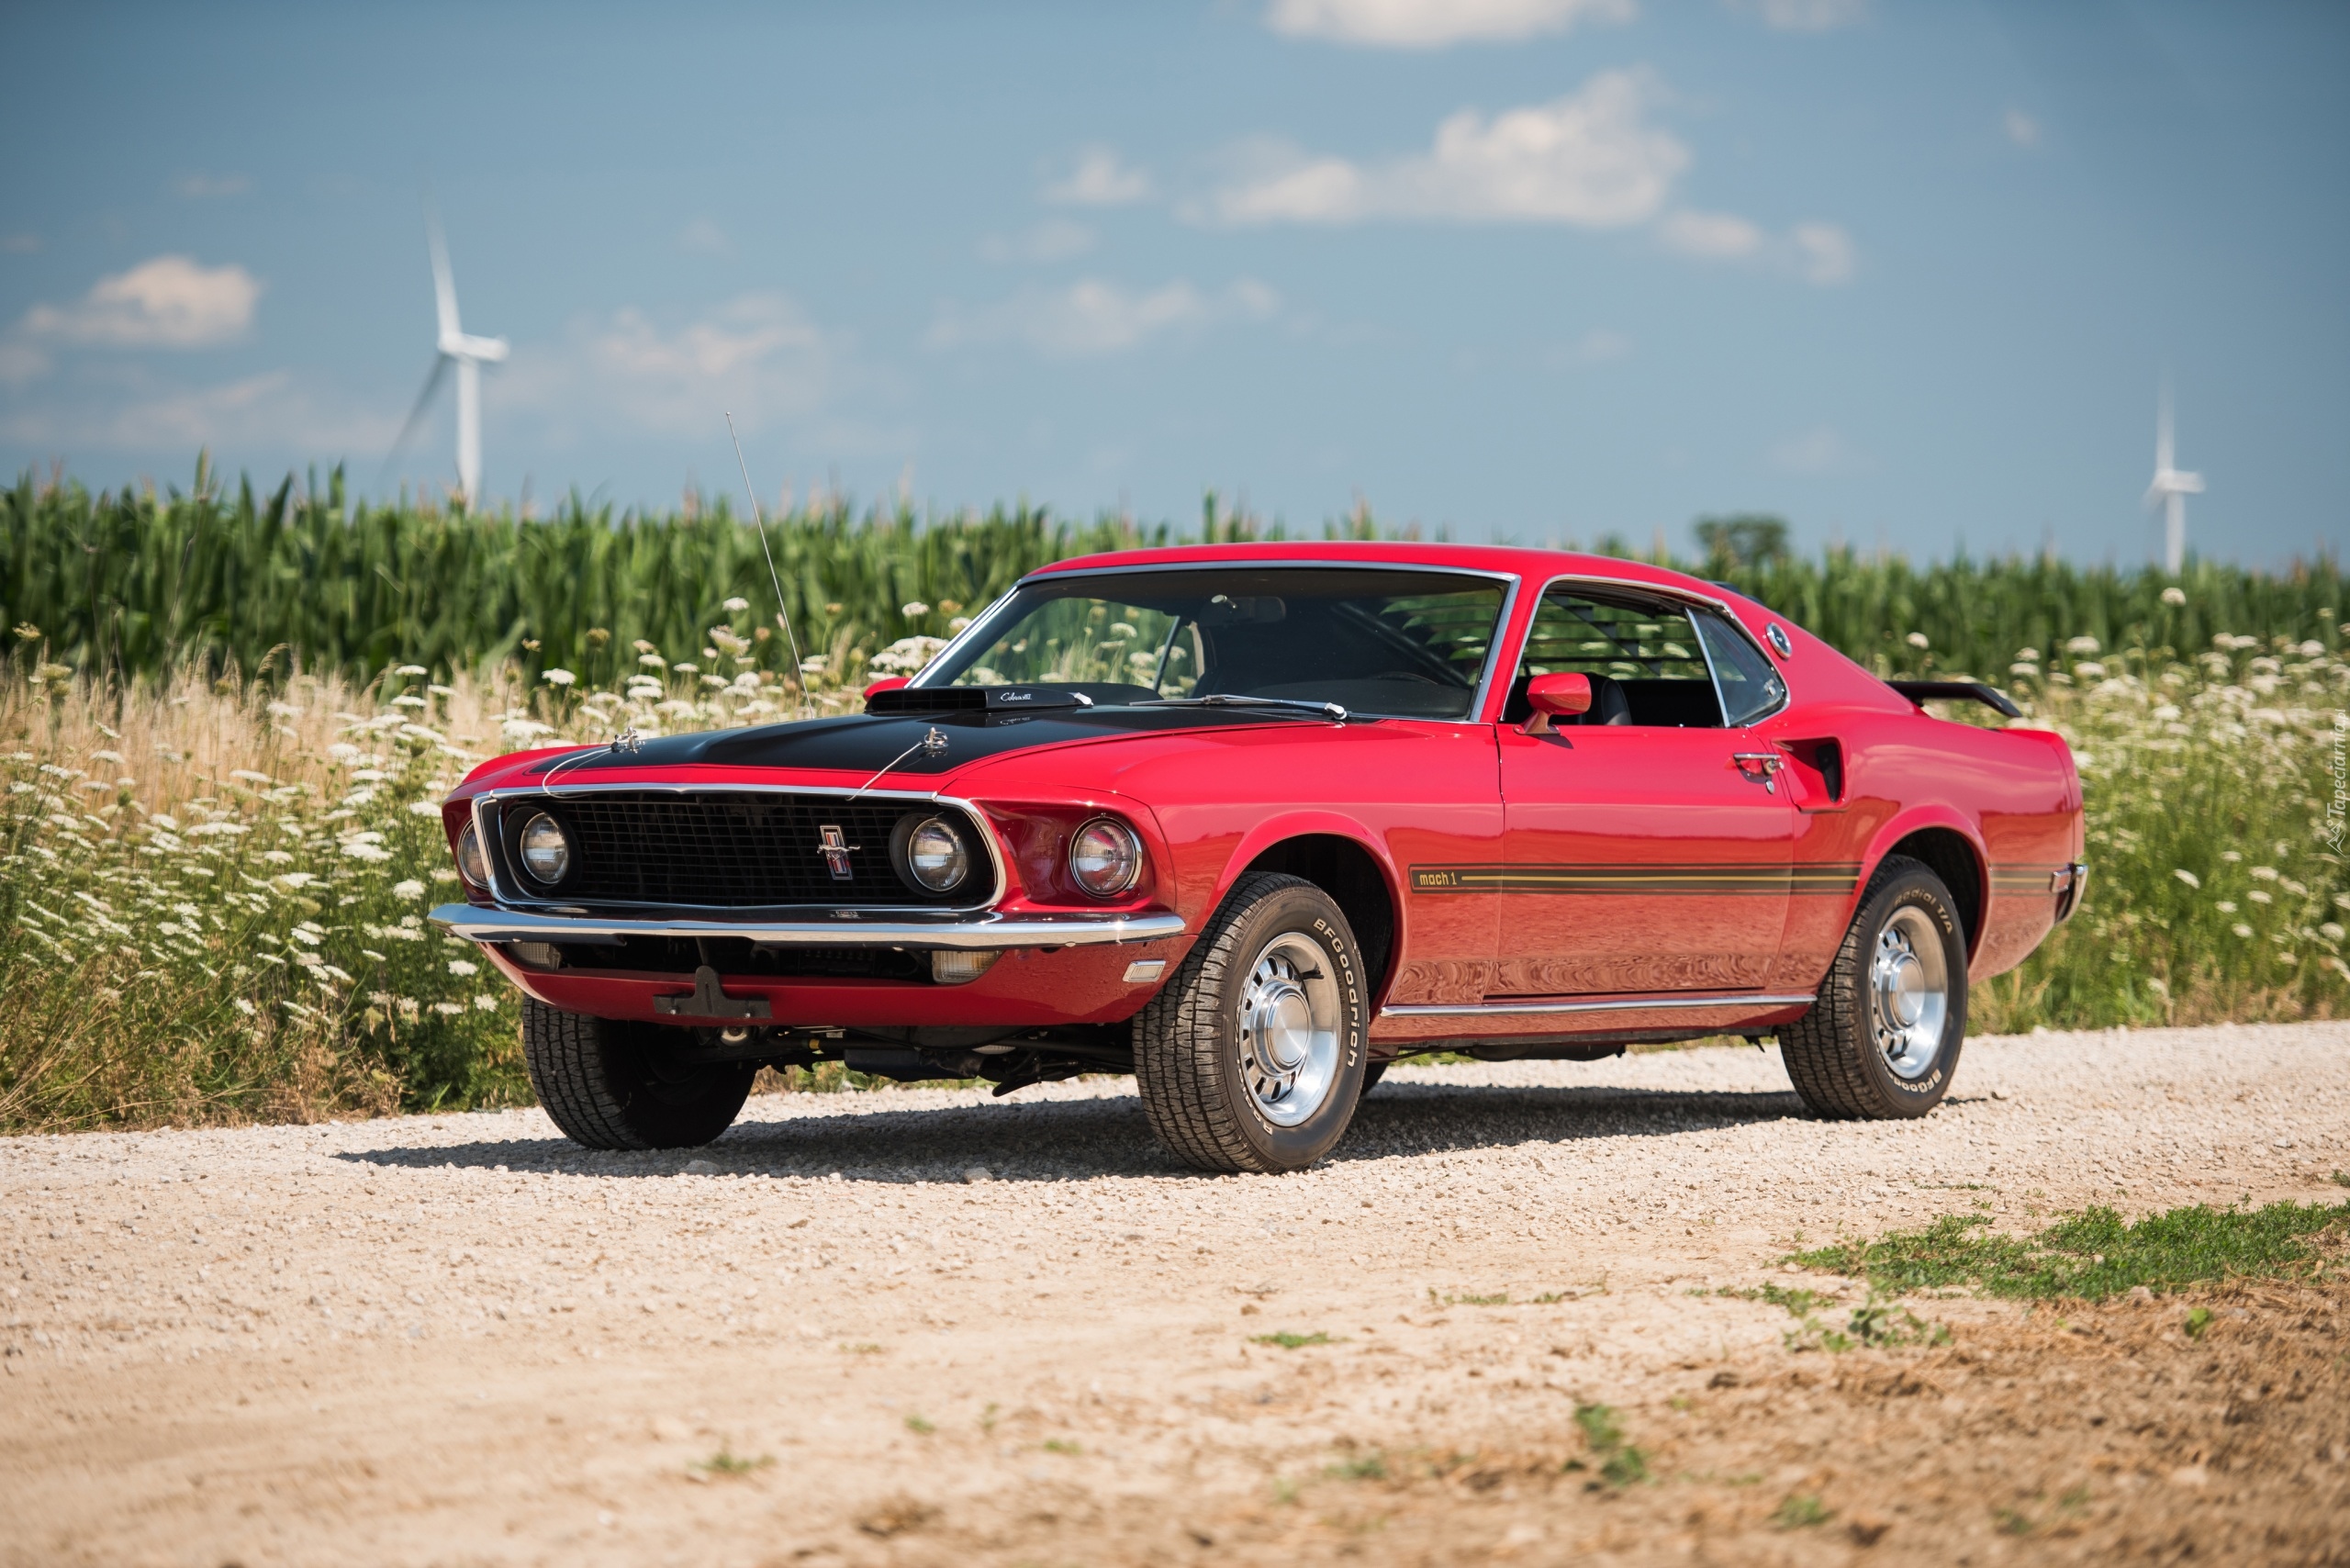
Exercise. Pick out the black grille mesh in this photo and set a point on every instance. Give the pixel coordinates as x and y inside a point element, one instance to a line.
<point>735,849</point>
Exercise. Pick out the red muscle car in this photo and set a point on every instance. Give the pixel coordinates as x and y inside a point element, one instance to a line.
<point>1252,822</point>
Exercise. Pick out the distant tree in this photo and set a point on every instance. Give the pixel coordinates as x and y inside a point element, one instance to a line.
<point>1743,539</point>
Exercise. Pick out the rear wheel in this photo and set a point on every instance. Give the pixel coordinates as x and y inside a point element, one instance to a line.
<point>1883,1040</point>
<point>1251,1058</point>
<point>610,1084</point>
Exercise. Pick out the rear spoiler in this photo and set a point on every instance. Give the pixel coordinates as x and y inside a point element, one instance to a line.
<point>1957,690</point>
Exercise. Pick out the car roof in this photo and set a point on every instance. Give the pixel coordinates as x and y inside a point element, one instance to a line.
<point>1534,565</point>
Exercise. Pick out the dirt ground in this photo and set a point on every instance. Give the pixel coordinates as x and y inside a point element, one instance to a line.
<point>923,1327</point>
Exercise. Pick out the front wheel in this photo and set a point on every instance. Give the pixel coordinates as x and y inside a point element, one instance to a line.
<point>1883,1040</point>
<point>1251,1058</point>
<point>610,1084</point>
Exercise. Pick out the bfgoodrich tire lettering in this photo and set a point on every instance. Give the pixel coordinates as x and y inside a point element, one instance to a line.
<point>610,1084</point>
<point>1848,1057</point>
<point>1269,1004</point>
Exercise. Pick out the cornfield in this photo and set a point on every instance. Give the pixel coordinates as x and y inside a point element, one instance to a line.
<point>136,582</point>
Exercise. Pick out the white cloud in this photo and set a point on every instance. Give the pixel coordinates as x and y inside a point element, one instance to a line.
<point>1433,24</point>
<point>758,356</point>
<point>2022,128</point>
<point>1807,15</point>
<point>169,302</point>
<point>1091,316</point>
<point>1101,179</point>
<point>1587,159</point>
<point>1716,236</point>
<point>1054,239</point>
<point>197,187</point>
<point>704,238</point>
<point>1819,450</point>
<point>1824,253</point>
<point>1819,253</point>
<point>274,410</point>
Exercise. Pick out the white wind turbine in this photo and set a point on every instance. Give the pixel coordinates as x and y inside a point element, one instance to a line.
<point>2171,486</point>
<point>469,353</point>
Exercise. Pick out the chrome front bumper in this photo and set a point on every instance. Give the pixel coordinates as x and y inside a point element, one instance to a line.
<point>983,933</point>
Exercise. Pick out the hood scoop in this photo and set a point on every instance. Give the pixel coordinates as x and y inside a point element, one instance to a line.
<point>908,701</point>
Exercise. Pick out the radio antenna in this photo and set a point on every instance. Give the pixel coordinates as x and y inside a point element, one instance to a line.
<point>782,616</point>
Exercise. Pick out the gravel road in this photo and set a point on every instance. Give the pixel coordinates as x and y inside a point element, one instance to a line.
<point>921,1326</point>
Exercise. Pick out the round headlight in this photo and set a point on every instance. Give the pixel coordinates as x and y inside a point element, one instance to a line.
<point>1105,858</point>
<point>470,864</point>
<point>546,850</point>
<point>937,856</point>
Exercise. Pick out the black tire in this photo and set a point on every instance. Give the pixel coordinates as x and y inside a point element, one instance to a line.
<point>1834,1055</point>
<point>610,1084</point>
<point>1188,1043</point>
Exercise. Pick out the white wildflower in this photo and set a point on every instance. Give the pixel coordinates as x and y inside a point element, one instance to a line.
<point>2082,645</point>
<point>464,966</point>
<point>1916,640</point>
<point>685,668</point>
<point>407,888</point>
<point>2174,596</point>
<point>2241,930</point>
<point>913,610</point>
<point>486,1002</point>
<point>557,676</point>
<point>449,1009</point>
<point>736,605</point>
<point>2190,878</point>
<point>411,669</point>
<point>650,660</point>
<point>247,1008</point>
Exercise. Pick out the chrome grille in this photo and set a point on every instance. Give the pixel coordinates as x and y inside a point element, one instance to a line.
<point>732,849</point>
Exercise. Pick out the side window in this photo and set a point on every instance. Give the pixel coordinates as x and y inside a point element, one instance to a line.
<point>1644,660</point>
<point>1751,689</point>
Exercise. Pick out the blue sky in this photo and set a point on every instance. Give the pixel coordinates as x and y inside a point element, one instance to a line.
<point>1534,269</point>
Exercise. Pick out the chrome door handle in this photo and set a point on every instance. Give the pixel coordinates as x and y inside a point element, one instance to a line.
<point>1767,763</point>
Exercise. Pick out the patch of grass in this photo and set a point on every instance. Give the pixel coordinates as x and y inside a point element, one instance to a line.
<point>919,1426</point>
<point>2010,1522</point>
<point>988,1418</point>
<point>1800,1511</point>
<point>1372,1466</point>
<point>2198,1318</point>
<point>1620,1464</point>
<point>1876,1324</point>
<point>1500,1299</point>
<point>2092,1255</point>
<point>2342,1178</point>
<point>726,1462</point>
<point>862,1348</point>
<point>1288,1341</point>
<point>1063,1445</point>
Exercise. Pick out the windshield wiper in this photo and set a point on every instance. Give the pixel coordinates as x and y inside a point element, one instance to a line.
<point>1330,711</point>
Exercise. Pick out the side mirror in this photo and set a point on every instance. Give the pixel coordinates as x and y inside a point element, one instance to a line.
<point>891,683</point>
<point>1559,696</point>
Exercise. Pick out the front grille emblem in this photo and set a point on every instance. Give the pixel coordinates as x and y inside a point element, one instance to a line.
<point>833,844</point>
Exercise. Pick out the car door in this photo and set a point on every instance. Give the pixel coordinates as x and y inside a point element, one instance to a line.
<point>1646,845</point>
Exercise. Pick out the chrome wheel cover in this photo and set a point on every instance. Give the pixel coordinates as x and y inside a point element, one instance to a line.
<point>1908,992</point>
<point>1289,1026</point>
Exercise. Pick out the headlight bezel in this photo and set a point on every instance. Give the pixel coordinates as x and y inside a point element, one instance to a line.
<point>563,855</point>
<point>954,869</point>
<point>1124,857</point>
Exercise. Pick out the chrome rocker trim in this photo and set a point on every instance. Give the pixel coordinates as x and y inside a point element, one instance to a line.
<point>1670,1000</point>
<point>987,932</point>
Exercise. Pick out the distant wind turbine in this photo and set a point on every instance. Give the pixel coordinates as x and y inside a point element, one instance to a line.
<point>469,353</point>
<point>2171,486</point>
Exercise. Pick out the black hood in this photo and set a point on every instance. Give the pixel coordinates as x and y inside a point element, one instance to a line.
<point>867,742</point>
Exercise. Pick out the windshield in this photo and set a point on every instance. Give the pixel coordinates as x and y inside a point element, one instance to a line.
<point>1408,643</point>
